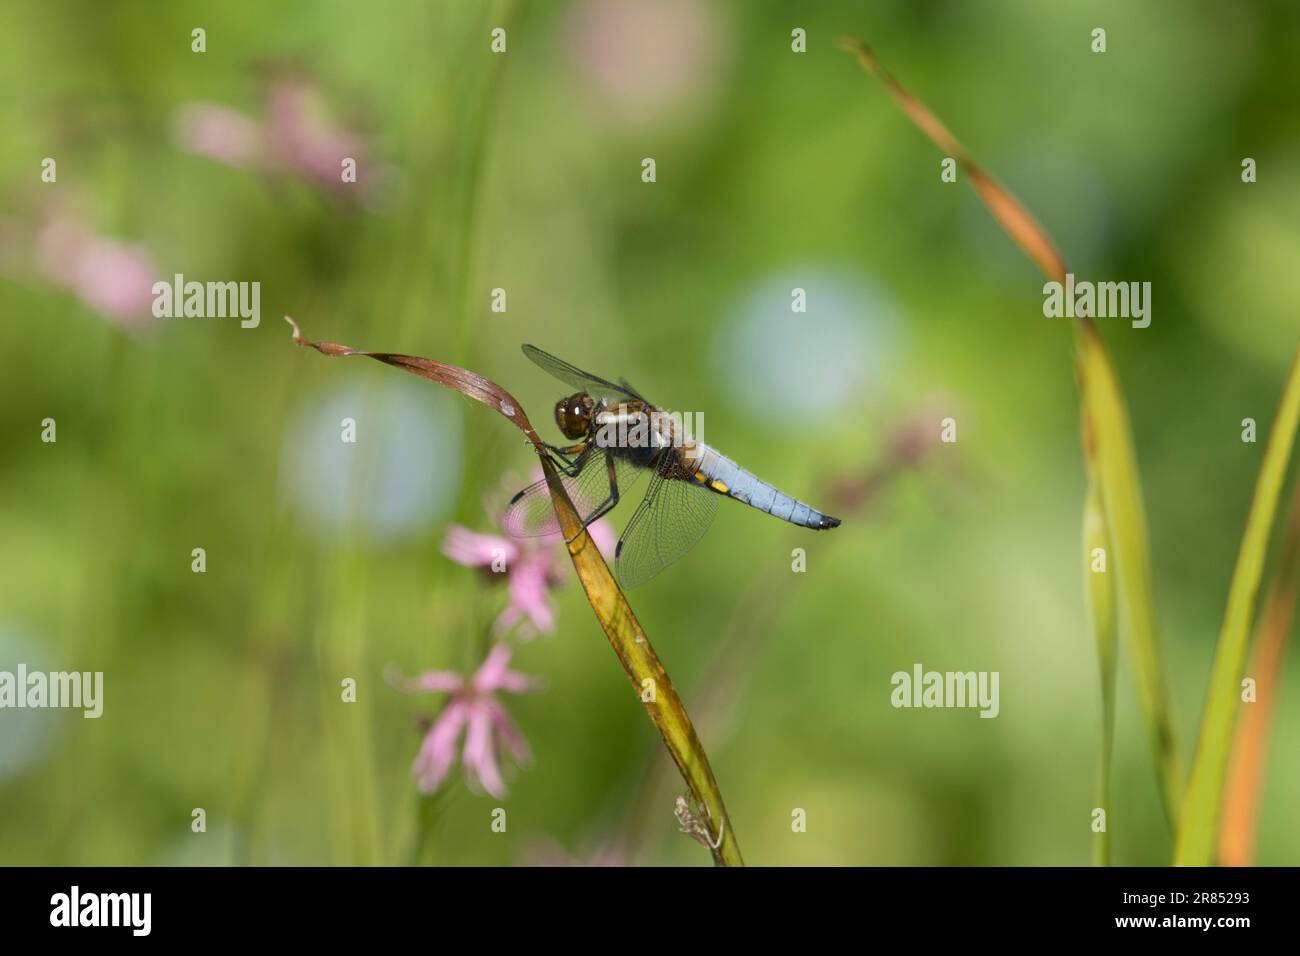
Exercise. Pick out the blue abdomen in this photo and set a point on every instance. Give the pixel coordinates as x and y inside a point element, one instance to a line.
<point>725,477</point>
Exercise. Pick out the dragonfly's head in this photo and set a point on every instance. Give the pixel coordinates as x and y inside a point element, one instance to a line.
<point>573,415</point>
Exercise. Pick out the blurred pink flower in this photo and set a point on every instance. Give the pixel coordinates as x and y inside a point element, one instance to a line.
<point>296,135</point>
<point>533,568</point>
<point>473,708</point>
<point>299,133</point>
<point>113,278</point>
<point>549,853</point>
<point>649,61</point>
<point>219,133</point>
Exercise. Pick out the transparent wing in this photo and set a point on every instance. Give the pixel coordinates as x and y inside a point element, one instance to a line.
<point>583,381</point>
<point>669,522</point>
<point>627,387</point>
<point>530,513</point>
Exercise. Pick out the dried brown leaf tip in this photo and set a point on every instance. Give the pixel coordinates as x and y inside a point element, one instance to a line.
<point>462,380</point>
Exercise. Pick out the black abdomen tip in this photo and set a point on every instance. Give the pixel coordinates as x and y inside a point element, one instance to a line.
<point>827,522</point>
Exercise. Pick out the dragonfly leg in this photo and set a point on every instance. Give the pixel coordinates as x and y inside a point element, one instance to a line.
<point>606,506</point>
<point>568,460</point>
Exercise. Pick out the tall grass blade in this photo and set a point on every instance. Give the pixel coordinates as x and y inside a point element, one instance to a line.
<point>1010,213</point>
<point>1200,818</point>
<point>1100,593</point>
<point>1107,438</point>
<point>1250,745</point>
<point>1108,444</point>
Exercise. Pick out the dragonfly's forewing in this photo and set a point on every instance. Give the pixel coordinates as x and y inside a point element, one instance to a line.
<point>530,513</point>
<point>593,385</point>
<point>670,521</point>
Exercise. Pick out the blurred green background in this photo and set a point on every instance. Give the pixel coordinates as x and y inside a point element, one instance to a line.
<point>522,171</point>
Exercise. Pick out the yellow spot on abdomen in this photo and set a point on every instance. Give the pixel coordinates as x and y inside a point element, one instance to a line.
<point>703,479</point>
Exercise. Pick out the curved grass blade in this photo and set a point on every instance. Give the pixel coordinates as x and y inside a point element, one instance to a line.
<point>1107,437</point>
<point>625,634</point>
<point>1108,445</point>
<point>1200,818</point>
<point>1010,213</point>
<point>1100,592</point>
<point>1250,745</point>
<point>666,709</point>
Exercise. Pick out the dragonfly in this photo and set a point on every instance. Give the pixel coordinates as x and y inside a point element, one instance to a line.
<point>618,437</point>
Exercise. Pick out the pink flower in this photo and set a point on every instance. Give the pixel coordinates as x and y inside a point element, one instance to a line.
<point>649,62</point>
<point>473,709</point>
<point>113,278</point>
<point>549,853</point>
<point>533,567</point>
<point>219,133</point>
<point>297,135</point>
<point>304,139</point>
